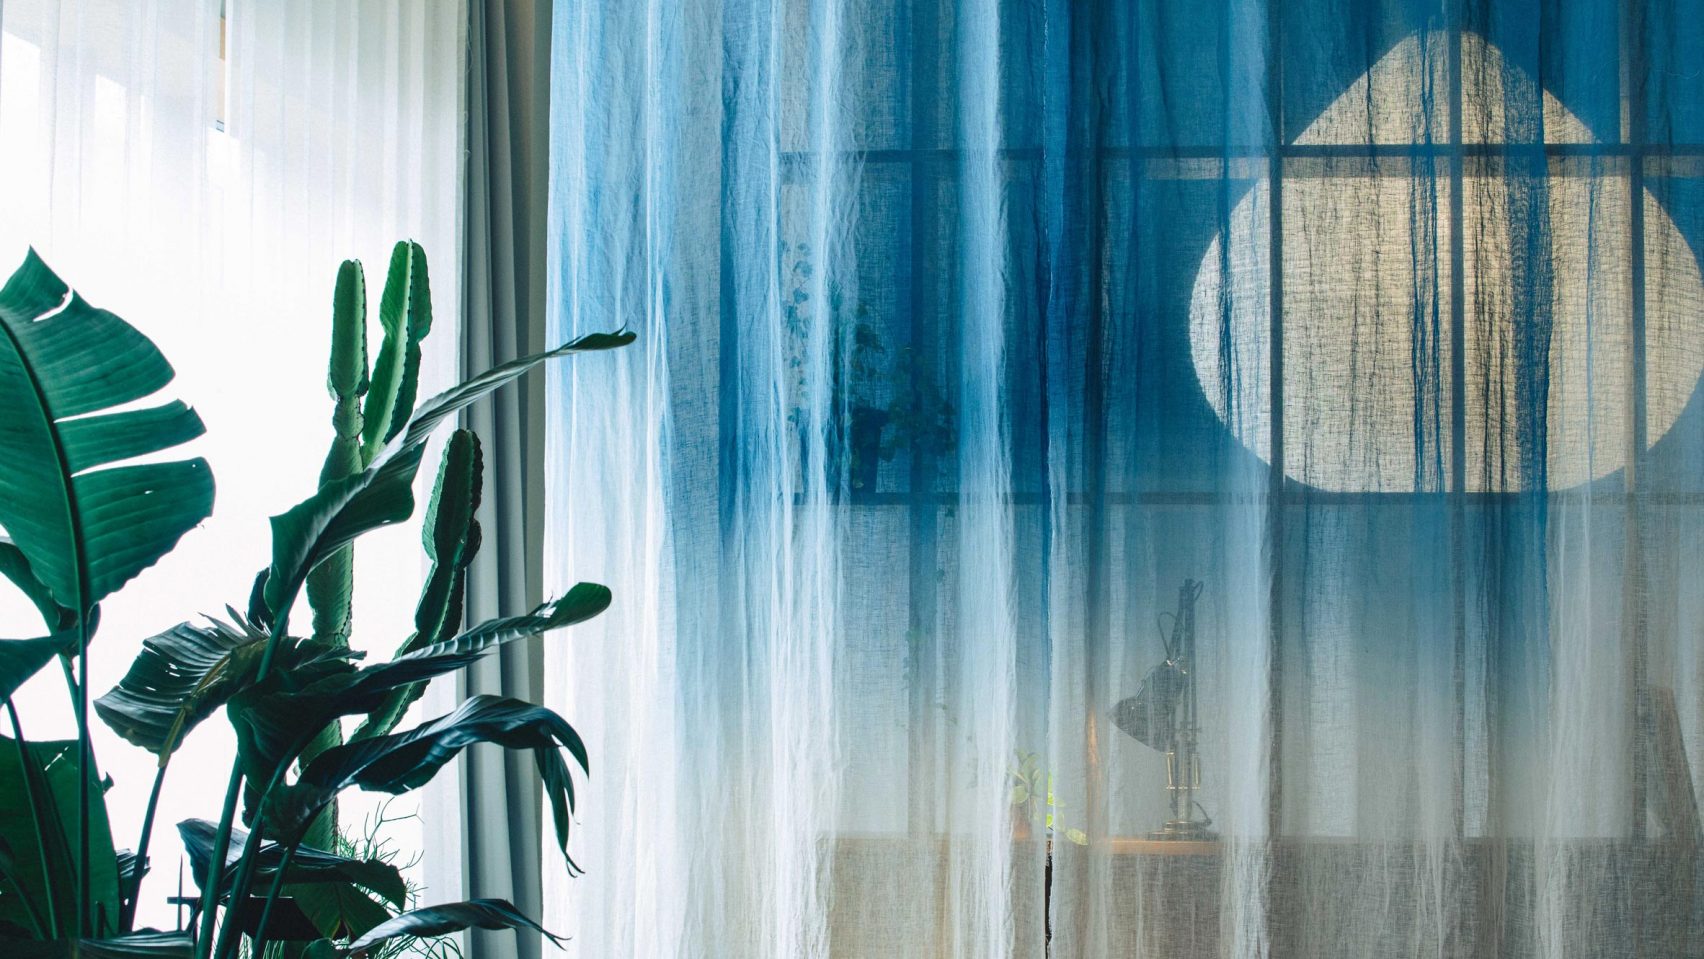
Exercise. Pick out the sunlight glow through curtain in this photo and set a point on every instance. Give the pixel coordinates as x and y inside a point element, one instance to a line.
<point>970,329</point>
<point>202,176</point>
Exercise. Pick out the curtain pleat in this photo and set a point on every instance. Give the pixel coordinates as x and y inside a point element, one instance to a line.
<point>499,801</point>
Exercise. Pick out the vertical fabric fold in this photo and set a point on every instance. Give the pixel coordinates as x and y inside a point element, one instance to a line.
<point>497,798</point>
<point>970,330</point>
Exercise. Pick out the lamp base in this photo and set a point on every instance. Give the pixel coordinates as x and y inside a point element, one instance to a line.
<point>1184,830</point>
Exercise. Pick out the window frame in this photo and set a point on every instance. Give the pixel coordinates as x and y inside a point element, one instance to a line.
<point>931,168</point>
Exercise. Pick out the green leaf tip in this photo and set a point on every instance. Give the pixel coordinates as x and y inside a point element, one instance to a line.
<point>307,534</point>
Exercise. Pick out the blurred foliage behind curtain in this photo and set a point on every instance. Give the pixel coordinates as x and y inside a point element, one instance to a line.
<point>970,329</point>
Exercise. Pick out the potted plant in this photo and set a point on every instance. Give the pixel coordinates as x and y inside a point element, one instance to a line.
<point>78,529</point>
<point>1033,802</point>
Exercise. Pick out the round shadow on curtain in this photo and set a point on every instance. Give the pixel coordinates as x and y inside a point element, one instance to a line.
<point>1546,290</point>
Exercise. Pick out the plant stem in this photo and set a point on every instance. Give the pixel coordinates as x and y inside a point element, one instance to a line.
<point>127,914</point>
<point>85,764</point>
<point>24,768</point>
<point>259,947</point>
<point>280,621</point>
<point>222,839</point>
<point>70,678</point>
<point>216,864</point>
<point>243,881</point>
<point>228,933</point>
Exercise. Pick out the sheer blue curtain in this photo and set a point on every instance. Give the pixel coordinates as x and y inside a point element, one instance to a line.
<point>980,339</point>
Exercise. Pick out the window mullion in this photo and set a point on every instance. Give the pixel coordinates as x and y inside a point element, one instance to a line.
<point>1457,488</point>
<point>1634,613</point>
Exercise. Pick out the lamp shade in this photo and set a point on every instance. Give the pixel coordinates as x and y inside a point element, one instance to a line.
<point>1150,716</point>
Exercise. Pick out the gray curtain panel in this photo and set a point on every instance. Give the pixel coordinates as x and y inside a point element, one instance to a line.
<point>503,313</point>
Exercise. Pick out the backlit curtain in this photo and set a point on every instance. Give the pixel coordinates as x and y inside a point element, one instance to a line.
<point>200,168</point>
<point>970,330</point>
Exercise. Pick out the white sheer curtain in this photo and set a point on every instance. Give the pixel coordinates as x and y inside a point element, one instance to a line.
<point>200,168</point>
<point>970,329</point>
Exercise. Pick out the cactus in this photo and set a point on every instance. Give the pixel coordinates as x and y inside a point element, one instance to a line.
<point>331,585</point>
<point>370,407</point>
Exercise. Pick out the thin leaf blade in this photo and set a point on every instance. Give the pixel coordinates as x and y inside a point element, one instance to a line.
<point>441,920</point>
<point>405,675</point>
<point>400,762</point>
<point>146,944</point>
<point>304,536</point>
<point>308,866</point>
<point>338,908</point>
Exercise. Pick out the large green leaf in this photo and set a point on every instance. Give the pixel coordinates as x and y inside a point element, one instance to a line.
<point>16,568</point>
<point>434,921</point>
<point>42,838</point>
<point>86,531</point>
<point>333,517</point>
<point>337,909</point>
<point>146,944</point>
<point>581,603</point>
<point>403,761</point>
<point>14,902</point>
<point>287,923</point>
<point>22,658</point>
<point>451,537</point>
<point>308,866</point>
<point>383,493</point>
<point>36,866</point>
<point>179,679</point>
<point>275,720</point>
<point>402,680</point>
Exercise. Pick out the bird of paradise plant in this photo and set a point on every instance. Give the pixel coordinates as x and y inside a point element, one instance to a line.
<point>80,524</point>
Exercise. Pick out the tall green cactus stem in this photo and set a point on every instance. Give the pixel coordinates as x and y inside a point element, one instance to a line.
<point>370,410</point>
<point>451,537</point>
<point>331,586</point>
<point>405,312</point>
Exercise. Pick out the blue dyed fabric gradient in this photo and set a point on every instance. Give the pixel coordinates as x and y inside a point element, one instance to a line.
<point>970,329</point>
